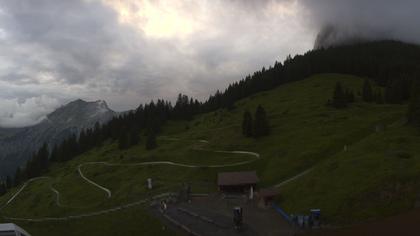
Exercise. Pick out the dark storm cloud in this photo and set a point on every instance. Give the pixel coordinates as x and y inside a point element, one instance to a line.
<point>70,37</point>
<point>52,51</point>
<point>372,19</point>
<point>56,51</point>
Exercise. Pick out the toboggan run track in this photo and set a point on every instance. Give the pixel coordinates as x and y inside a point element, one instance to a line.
<point>108,192</point>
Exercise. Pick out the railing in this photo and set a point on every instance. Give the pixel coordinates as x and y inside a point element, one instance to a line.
<point>282,213</point>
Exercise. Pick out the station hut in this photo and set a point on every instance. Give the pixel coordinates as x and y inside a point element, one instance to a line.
<point>237,182</point>
<point>266,196</point>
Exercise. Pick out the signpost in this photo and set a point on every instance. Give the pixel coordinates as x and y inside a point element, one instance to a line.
<point>149,183</point>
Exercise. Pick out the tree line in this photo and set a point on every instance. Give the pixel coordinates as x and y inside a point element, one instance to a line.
<point>395,93</point>
<point>342,96</point>
<point>255,127</point>
<point>390,64</point>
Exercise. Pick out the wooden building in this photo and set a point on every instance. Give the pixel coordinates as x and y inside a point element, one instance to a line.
<point>266,196</point>
<point>239,182</point>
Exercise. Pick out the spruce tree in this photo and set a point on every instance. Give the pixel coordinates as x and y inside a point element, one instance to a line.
<point>83,142</point>
<point>134,137</point>
<point>73,146</point>
<point>379,99</point>
<point>43,158</point>
<point>349,96</point>
<point>54,154</point>
<point>97,136</point>
<point>339,96</point>
<point>151,140</point>
<point>413,113</point>
<point>2,188</point>
<point>123,140</point>
<point>367,92</point>
<point>388,95</point>
<point>31,169</point>
<point>395,92</point>
<point>8,182</point>
<point>18,177</point>
<point>261,127</point>
<point>247,124</point>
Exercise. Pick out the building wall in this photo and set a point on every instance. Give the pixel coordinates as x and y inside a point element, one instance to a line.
<point>237,188</point>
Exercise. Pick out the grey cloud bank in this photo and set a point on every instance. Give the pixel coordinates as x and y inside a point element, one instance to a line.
<point>54,51</point>
<point>370,20</point>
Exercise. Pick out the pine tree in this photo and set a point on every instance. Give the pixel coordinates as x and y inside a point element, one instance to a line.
<point>97,136</point>
<point>339,96</point>
<point>134,137</point>
<point>31,169</point>
<point>2,188</point>
<point>8,183</point>
<point>349,96</point>
<point>379,99</point>
<point>43,158</point>
<point>247,124</point>
<point>151,140</point>
<point>389,94</point>
<point>261,127</point>
<point>413,113</point>
<point>367,93</point>
<point>395,92</point>
<point>18,177</point>
<point>39,162</point>
<point>54,154</point>
<point>123,140</point>
<point>83,142</point>
<point>74,147</point>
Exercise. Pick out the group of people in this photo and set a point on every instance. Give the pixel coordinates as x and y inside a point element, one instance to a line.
<point>305,221</point>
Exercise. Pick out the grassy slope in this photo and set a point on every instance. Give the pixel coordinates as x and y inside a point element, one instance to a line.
<point>376,177</point>
<point>305,134</point>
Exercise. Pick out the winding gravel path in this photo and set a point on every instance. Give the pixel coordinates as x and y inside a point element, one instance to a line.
<point>108,192</point>
<point>55,191</point>
<point>21,189</point>
<point>90,214</point>
<point>293,178</point>
<point>170,163</point>
<point>57,196</point>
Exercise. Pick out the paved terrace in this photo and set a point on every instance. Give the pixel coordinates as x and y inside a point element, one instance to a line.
<point>212,216</point>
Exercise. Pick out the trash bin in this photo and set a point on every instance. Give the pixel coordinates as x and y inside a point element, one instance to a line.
<point>237,217</point>
<point>316,217</point>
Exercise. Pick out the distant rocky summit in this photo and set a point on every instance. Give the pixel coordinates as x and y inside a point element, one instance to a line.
<point>17,144</point>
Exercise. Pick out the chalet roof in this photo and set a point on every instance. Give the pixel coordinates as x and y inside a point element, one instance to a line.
<point>237,178</point>
<point>267,192</point>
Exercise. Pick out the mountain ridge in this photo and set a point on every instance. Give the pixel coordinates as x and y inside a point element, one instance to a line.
<point>66,120</point>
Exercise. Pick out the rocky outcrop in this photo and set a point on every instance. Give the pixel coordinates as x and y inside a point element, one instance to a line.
<point>17,144</point>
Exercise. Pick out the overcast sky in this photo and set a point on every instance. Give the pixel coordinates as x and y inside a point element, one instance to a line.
<point>128,52</point>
